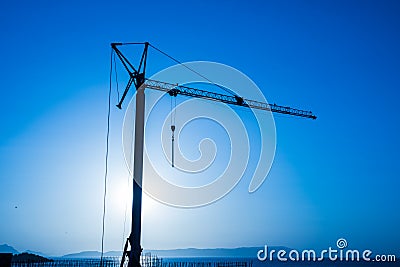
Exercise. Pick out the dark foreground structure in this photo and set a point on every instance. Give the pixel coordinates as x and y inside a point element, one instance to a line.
<point>5,259</point>
<point>115,262</point>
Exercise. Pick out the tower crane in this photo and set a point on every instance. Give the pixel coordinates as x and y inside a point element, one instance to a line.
<point>137,77</point>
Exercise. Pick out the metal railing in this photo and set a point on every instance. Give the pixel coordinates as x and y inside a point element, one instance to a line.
<point>147,261</point>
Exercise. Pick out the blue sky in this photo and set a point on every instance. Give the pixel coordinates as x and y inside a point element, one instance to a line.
<point>333,177</point>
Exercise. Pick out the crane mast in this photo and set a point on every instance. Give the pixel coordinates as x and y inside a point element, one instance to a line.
<point>137,78</point>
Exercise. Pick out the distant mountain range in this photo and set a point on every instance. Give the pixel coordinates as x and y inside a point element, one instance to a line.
<point>8,249</point>
<point>243,252</point>
<point>248,252</point>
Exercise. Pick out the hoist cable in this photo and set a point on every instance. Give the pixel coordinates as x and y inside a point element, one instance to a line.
<point>192,70</point>
<point>106,161</point>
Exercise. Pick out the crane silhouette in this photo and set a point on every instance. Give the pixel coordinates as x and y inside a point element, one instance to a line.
<point>137,77</point>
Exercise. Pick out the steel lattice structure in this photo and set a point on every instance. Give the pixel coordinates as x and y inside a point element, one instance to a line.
<point>175,89</point>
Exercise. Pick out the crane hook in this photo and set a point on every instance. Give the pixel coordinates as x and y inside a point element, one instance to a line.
<point>173,139</point>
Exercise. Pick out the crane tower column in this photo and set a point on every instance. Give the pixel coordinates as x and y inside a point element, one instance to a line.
<point>134,238</point>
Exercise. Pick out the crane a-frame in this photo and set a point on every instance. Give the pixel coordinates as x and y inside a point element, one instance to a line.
<point>138,78</point>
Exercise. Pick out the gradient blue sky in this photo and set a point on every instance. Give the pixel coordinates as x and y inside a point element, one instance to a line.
<point>334,177</point>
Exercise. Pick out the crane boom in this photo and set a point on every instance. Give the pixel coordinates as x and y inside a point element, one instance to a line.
<point>174,90</point>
